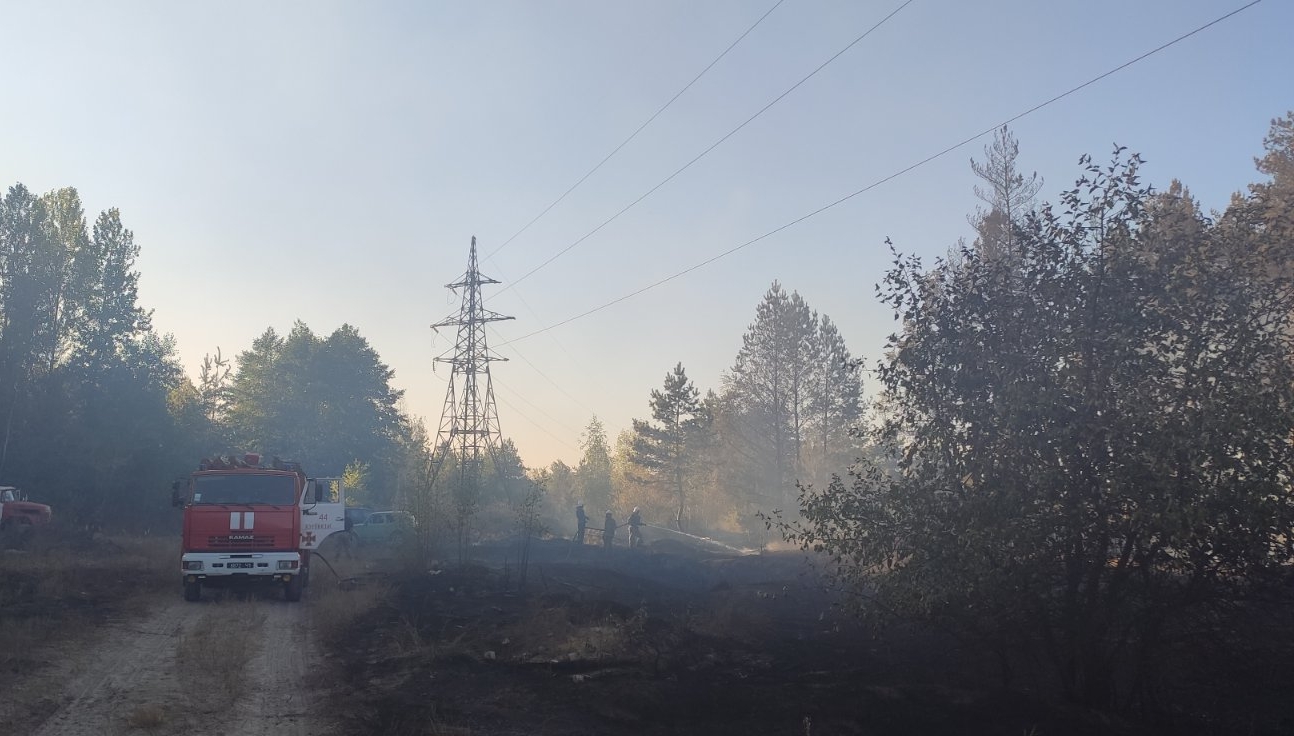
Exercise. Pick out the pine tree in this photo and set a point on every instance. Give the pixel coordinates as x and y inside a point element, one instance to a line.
<point>112,315</point>
<point>1008,193</point>
<point>324,402</point>
<point>776,395</point>
<point>766,382</point>
<point>72,266</point>
<point>834,404</point>
<point>667,449</point>
<point>593,476</point>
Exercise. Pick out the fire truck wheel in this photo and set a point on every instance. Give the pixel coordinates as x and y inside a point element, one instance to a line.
<point>192,592</point>
<point>292,589</point>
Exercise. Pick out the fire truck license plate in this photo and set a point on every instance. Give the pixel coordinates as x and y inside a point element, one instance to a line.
<point>241,564</point>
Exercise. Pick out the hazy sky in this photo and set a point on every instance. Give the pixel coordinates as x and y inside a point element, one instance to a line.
<point>330,162</point>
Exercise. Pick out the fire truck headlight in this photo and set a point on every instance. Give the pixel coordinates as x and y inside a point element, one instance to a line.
<point>287,564</point>
<point>193,564</point>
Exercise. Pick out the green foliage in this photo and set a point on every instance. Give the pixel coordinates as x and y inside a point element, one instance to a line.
<point>558,480</point>
<point>791,399</point>
<point>1278,161</point>
<point>1008,193</point>
<point>422,492</point>
<point>1083,443</point>
<point>355,477</point>
<point>669,448</point>
<point>213,395</point>
<point>96,417</point>
<point>593,476</point>
<point>505,477</point>
<point>1272,202</point>
<point>528,520</point>
<point>111,317</point>
<point>326,402</point>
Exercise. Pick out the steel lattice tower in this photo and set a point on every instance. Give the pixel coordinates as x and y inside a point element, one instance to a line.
<point>469,421</point>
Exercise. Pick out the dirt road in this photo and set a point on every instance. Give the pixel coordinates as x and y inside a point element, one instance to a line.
<point>221,666</point>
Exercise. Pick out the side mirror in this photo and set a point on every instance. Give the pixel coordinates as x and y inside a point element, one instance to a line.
<point>310,497</point>
<point>177,500</point>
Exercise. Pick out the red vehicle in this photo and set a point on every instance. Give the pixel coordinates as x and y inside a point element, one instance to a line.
<point>248,523</point>
<point>16,512</point>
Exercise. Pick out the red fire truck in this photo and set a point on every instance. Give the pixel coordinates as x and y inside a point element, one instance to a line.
<point>246,523</point>
<point>17,512</point>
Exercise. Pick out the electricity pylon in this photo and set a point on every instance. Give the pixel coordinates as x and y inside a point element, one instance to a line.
<point>469,421</point>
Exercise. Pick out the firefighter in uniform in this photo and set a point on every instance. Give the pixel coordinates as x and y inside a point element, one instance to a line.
<point>608,530</point>
<point>581,522</point>
<point>635,528</point>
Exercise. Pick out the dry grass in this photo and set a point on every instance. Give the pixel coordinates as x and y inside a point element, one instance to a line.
<point>61,579</point>
<point>149,717</point>
<point>567,631</point>
<point>153,561</point>
<point>333,609</point>
<point>733,614</point>
<point>128,565</point>
<point>563,632</point>
<point>408,639</point>
<point>435,728</point>
<point>16,638</point>
<point>213,657</point>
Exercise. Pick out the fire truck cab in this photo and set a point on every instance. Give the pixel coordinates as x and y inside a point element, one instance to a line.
<point>247,523</point>
<point>18,512</point>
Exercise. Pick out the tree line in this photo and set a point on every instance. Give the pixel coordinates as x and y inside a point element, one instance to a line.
<point>1082,454</point>
<point>84,379</point>
<point>98,414</point>
<point>787,411</point>
<point>1078,450</point>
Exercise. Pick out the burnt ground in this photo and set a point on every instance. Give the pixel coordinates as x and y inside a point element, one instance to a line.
<point>671,641</point>
<point>94,638</point>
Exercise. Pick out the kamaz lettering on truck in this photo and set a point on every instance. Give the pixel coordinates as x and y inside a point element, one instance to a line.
<point>245,523</point>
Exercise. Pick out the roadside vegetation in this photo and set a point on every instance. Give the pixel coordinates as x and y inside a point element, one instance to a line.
<point>1081,457</point>
<point>59,592</point>
<point>61,583</point>
<point>350,588</point>
<point>1075,466</point>
<point>214,655</point>
<point>1069,509</point>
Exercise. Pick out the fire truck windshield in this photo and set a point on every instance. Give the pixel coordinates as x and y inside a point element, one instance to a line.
<point>244,488</point>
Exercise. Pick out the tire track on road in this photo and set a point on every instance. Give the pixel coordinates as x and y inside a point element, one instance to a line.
<point>121,674</point>
<point>134,673</point>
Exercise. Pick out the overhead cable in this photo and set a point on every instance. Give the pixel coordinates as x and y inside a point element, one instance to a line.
<point>711,147</point>
<point>881,181</point>
<point>634,134</point>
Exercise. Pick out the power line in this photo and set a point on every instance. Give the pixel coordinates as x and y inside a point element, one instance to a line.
<point>712,146</point>
<point>539,426</point>
<point>559,345</point>
<point>562,425</point>
<point>881,181</point>
<point>540,409</point>
<point>633,135</point>
<point>606,158</point>
<point>543,375</point>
